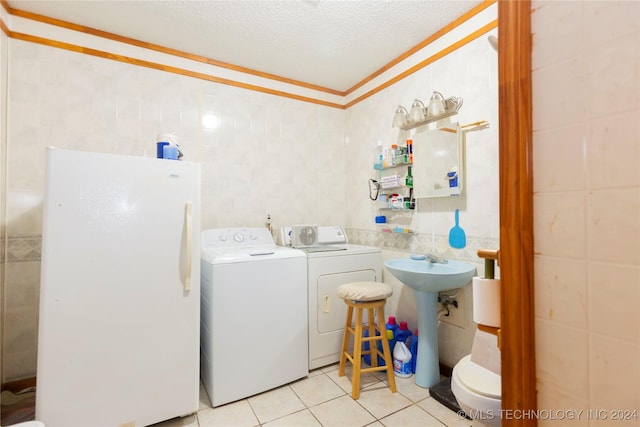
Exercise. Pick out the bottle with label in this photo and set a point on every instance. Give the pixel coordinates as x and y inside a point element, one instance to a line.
<point>412,345</point>
<point>392,325</point>
<point>410,149</point>
<point>367,346</point>
<point>401,360</point>
<point>402,333</point>
<point>378,156</point>
<point>408,180</point>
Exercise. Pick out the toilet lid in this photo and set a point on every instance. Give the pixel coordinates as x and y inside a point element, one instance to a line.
<point>478,379</point>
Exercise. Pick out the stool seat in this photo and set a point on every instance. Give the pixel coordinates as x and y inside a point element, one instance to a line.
<point>369,297</point>
<point>364,291</point>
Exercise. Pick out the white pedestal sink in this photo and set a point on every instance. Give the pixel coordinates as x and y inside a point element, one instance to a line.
<point>427,279</point>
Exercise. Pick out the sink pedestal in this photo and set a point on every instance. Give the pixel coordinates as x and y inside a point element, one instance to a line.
<point>428,362</point>
<point>427,278</point>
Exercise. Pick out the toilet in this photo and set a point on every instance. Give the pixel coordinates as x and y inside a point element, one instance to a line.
<point>475,380</point>
<point>478,392</point>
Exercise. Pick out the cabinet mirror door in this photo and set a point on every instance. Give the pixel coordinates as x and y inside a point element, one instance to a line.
<point>438,162</point>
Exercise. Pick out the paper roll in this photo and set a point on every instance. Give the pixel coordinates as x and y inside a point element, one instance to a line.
<point>486,301</point>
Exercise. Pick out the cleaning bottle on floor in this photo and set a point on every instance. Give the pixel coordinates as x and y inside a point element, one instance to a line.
<point>392,325</point>
<point>402,333</point>
<point>401,360</point>
<point>412,345</point>
<point>367,346</point>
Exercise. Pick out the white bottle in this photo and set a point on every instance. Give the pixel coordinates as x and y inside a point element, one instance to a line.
<point>401,360</point>
<point>377,159</point>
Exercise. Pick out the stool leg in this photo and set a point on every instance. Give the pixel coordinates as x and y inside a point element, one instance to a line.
<point>388,360</point>
<point>357,355</point>
<point>372,333</point>
<point>345,341</point>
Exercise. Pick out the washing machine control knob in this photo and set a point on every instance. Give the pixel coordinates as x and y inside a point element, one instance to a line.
<point>238,237</point>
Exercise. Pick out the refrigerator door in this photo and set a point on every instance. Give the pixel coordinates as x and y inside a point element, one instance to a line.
<point>120,290</point>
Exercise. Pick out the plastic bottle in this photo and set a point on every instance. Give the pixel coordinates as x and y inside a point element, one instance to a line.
<point>412,345</point>
<point>408,180</point>
<point>392,325</point>
<point>410,149</point>
<point>390,338</point>
<point>402,333</point>
<point>367,357</point>
<point>394,150</point>
<point>268,223</point>
<point>401,360</point>
<point>378,156</point>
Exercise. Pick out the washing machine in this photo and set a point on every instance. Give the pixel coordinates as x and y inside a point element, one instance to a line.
<point>331,261</point>
<point>254,311</point>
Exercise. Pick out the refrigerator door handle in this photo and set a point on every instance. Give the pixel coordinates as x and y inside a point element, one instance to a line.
<point>188,226</point>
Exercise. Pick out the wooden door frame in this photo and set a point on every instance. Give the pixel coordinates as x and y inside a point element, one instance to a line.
<point>516,211</point>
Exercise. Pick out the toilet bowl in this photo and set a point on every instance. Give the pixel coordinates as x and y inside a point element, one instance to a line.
<point>478,392</point>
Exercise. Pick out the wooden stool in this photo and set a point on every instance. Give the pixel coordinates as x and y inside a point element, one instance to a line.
<point>370,296</point>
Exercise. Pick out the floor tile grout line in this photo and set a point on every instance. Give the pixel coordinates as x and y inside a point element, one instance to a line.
<point>326,373</point>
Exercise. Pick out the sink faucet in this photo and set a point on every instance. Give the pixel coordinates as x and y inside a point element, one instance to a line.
<point>435,258</point>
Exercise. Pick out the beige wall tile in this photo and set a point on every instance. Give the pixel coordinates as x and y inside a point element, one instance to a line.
<point>553,399</point>
<point>614,301</point>
<point>613,72</point>
<point>613,152</point>
<point>560,164</point>
<point>614,375</point>
<point>613,228</point>
<point>559,224</point>
<point>561,291</point>
<point>563,102</point>
<point>562,358</point>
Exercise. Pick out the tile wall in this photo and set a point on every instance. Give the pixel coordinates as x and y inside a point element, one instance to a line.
<point>586,156</point>
<point>470,73</point>
<point>260,154</point>
<point>265,155</point>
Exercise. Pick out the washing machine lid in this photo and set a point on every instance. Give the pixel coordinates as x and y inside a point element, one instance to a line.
<point>248,254</point>
<point>478,379</point>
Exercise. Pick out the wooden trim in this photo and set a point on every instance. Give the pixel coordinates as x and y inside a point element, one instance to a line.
<point>167,68</point>
<point>444,52</point>
<point>462,19</point>
<point>99,33</point>
<point>158,48</point>
<point>4,28</point>
<point>516,209</point>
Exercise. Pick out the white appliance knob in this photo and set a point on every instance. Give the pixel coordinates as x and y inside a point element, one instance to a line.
<point>238,237</point>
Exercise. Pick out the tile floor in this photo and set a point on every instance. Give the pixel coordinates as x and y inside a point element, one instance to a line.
<point>324,399</point>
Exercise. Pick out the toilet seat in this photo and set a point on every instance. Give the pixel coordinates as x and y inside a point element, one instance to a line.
<point>478,379</point>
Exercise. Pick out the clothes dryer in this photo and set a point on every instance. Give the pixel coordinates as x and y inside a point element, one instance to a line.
<point>330,263</point>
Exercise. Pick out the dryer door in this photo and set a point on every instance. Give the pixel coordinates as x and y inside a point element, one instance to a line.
<point>331,310</point>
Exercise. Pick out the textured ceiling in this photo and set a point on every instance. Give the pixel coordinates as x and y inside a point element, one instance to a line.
<point>329,43</point>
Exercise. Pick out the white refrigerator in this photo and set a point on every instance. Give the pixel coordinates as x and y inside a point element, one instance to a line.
<point>120,290</point>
